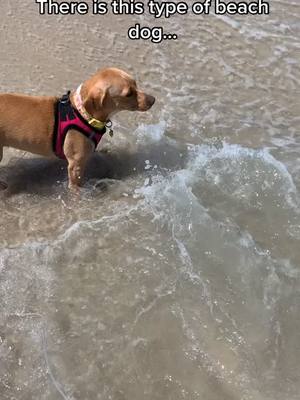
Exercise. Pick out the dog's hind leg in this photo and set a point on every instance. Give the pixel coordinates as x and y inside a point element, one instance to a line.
<point>3,185</point>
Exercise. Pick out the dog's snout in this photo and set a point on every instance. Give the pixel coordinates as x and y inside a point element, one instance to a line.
<point>145,101</point>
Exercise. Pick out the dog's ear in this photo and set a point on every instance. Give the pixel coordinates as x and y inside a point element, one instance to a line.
<point>103,93</point>
<point>95,99</point>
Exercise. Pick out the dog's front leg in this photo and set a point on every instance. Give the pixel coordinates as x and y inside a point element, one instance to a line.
<point>76,174</point>
<point>77,149</point>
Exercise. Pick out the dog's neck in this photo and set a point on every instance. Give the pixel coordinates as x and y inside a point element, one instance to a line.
<point>97,120</point>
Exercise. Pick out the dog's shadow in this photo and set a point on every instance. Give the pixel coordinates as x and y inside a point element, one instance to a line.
<point>46,176</point>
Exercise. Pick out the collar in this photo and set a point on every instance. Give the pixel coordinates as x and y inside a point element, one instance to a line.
<point>95,123</point>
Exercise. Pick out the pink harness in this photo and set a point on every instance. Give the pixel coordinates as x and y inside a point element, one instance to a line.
<point>66,118</point>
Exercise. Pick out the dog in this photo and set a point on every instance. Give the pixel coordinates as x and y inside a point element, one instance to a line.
<point>69,127</point>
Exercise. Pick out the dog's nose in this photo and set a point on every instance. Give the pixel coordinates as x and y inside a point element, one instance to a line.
<point>151,100</point>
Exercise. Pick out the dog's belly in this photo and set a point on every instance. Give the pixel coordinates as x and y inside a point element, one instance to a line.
<point>31,147</point>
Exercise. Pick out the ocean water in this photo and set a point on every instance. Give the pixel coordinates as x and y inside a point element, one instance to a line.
<point>176,273</point>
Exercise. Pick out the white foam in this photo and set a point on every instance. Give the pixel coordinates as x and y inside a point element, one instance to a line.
<point>150,133</point>
<point>234,160</point>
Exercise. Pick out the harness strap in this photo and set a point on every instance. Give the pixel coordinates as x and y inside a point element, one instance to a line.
<point>66,118</point>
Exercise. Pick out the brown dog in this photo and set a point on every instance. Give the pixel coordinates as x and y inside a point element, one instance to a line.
<point>28,122</point>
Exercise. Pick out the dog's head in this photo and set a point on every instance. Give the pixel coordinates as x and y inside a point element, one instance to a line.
<point>112,90</point>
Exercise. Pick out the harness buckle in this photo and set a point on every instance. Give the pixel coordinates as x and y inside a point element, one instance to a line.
<point>66,98</point>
